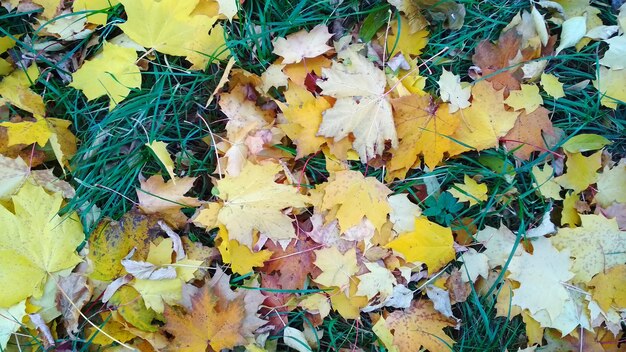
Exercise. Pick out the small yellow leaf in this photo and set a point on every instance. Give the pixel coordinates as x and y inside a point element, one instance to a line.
<point>609,287</point>
<point>112,73</point>
<point>404,40</point>
<point>612,185</point>
<point>569,214</point>
<point>99,7</point>
<point>379,281</point>
<point>337,268</point>
<point>544,182</point>
<point>610,83</point>
<point>160,151</point>
<point>469,191</point>
<point>14,89</point>
<point>581,171</point>
<point>243,260</point>
<point>430,244</point>
<point>527,98</point>
<point>552,86</point>
<point>451,90</point>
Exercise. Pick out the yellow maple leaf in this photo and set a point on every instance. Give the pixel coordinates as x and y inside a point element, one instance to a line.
<point>552,86</point>
<point>35,242</point>
<point>527,98</point>
<point>429,243</point>
<point>597,245</point>
<point>469,191</point>
<point>452,90</point>
<point>253,201</point>
<point>609,288</point>
<point>524,269</point>
<point>241,259</point>
<point>569,214</point>
<point>362,108</point>
<point>218,319</point>
<point>581,171</point>
<point>160,151</point>
<point>337,268</point>
<point>355,196</point>
<point>423,128</point>
<point>611,185</point>
<point>303,112</point>
<point>50,7</point>
<point>166,198</point>
<point>303,44</point>
<point>346,302</point>
<point>485,121</point>
<point>99,8</point>
<point>420,325</point>
<point>131,307</point>
<point>379,281</point>
<point>156,293</point>
<point>172,28</point>
<point>610,84</point>
<point>544,182</point>
<point>404,40</point>
<point>112,73</point>
<point>28,132</point>
<point>14,89</point>
<point>13,173</point>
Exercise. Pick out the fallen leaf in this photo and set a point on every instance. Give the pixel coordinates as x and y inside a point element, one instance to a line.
<point>302,44</point>
<point>527,98</point>
<point>597,245</point>
<point>99,14</point>
<point>361,108</point>
<point>452,91</point>
<point>253,201</point>
<point>13,173</point>
<point>11,321</point>
<point>552,86</point>
<point>166,198</point>
<point>498,244</point>
<point>585,142</point>
<point>403,213</point>
<point>572,31</point>
<point>112,72</point>
<point>35,242</point>
<point>485,121</point>
<point>160,151</point>
<point>610,185</point>
<point>420,326</point>
<point>430,244</point>
<point>529,271</point>
<point>379,281</point>
<point>610,85</point>
<point>14,89</point>
<point>502,58</point>
<point>243,260</point>
<point>609,288</point>
<point>401,39</point>
<point>474,265</point>
<point>337,268</point>
<point>581,171</point>
<point>469,191</point>
<point>526,136</point>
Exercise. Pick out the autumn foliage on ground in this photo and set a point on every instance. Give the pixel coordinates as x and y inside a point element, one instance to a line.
<point>277,248</point>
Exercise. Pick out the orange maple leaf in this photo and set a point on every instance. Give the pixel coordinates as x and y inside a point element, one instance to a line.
<point>526,136</point>
<point>220,318</point>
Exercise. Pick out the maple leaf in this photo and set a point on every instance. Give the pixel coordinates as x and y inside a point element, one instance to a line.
<point>337,268</point>
<point>581,171</point>
<point>423,128</point>
<point>242,259</point>
<point>35,242</point>
<point>420,326</point>
<point>403,213</point>
<point>526,98</point>
<point>11,321</point>
<point>355,196</point>
<point>429,243</point>
<point>469,191</point>
<point>609,288</point>
<point>530,271</point>
<point>611,185</point>
<point>552,86</point>
<point>172,28</point>
<point>451,90</point>
<point>13,173</point>
<point>361,108</point>
<point>292,264</point>
<point>474,264</point>
<point>379,281</point>
<point>303,115</point>
<point>14,89</point>
<point>609,83</point>
<point>131,307</point>
<point>111,242</point>
<point>526,136</point>
<point>406,41</point>
<point>485,121</point>
<point>502,58</point>
<point>112,73</point>
<point>302,44</point>
<point>498,244</point>
<point>544,182</point>
<point>97,6</point>
<point>166,198</point>
<point>219,317</point>
<point>597,245</point>
<point>156,293</point>
<point>253,201</point>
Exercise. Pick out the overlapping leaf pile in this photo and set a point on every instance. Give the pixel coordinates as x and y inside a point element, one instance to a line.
<point>348,245</point>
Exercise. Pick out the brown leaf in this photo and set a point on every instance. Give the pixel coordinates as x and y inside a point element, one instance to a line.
<point>526,136</point>
<point>505,55</point>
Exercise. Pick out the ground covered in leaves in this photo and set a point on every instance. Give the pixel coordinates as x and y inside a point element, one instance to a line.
<point>208,175</point>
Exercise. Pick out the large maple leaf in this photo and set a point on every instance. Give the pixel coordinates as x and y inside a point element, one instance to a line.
<point>423,128</point>
<point>253,201</point>
<point>420,326</point>
<point>219,318</point>
<point>354,197</point>
<point>485,121</point>
<point>597,245</point>
<point>361,108</point>
<point>34,243</point>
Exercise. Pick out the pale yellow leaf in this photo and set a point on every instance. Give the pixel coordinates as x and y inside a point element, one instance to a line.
<point>527,98</point>
<point>552,86</point>
<point>160,151</point>
<point>469,191</point>
<point>300,45</point>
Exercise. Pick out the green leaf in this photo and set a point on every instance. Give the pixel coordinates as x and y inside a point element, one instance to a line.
<point>585,142</point>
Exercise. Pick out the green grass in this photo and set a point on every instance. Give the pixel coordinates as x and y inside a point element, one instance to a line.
<point>170,107</point>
